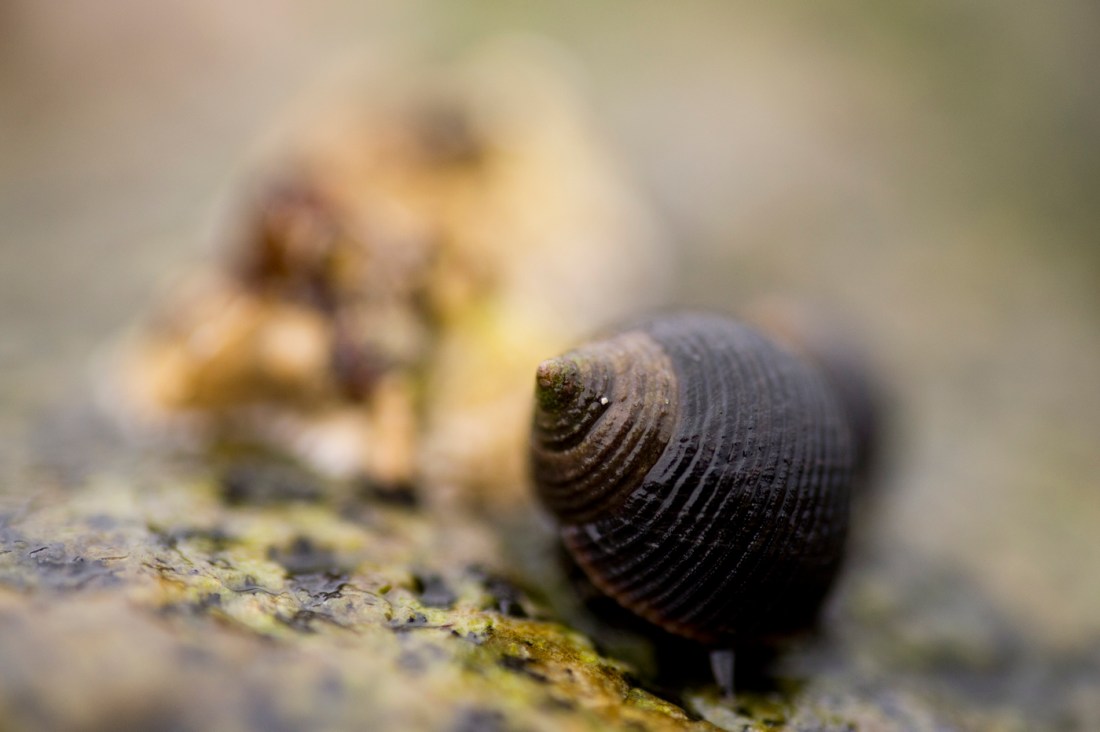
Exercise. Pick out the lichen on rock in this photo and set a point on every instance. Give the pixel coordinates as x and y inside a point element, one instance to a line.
<point>157,602</point>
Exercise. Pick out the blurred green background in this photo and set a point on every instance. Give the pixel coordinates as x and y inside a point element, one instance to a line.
<point>930,169</point>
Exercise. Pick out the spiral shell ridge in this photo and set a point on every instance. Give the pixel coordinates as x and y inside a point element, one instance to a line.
<point>604,417</point>
<point>728,512</point>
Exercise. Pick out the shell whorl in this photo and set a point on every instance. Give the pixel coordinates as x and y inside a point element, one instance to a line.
<point>709,495</point>
<point>604,414</point>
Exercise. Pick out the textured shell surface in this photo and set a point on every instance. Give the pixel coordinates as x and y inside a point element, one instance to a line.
<point>700,474</point>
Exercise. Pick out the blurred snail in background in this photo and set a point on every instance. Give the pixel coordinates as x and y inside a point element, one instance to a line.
<point>701,475</point>
<point>402,248</point>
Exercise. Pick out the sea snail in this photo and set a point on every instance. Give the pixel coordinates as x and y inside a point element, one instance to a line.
<point>700,474</point>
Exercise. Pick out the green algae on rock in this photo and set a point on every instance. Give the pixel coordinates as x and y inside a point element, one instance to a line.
<point>152,599</point>
<point>165,605</point>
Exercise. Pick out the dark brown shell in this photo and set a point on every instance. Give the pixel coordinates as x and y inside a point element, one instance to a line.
<point>700,473</point>
<point>839,354</point>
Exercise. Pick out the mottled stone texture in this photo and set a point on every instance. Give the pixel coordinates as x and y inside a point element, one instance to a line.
<point>245,592</point>
<point>147,600</point>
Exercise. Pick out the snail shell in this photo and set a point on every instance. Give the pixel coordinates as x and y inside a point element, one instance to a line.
<point>700,474</point>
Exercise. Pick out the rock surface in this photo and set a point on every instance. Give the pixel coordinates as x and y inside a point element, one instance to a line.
<point>145,599</point>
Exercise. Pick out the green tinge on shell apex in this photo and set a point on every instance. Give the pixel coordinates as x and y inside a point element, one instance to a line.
<point>557,383</point>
